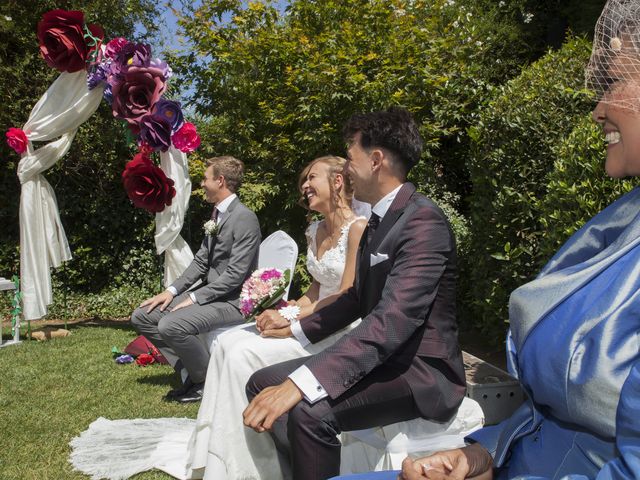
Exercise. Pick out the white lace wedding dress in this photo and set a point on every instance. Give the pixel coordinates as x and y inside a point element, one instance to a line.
<point>216,446</point>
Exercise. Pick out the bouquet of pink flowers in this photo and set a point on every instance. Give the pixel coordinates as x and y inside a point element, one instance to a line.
<point>262,290</point>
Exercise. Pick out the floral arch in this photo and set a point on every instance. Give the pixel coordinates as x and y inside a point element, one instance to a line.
<point>127,76</point>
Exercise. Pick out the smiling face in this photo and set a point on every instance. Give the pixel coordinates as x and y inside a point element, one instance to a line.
<point>619,115</point>
<point>316,187</point>
<point>212,185</point>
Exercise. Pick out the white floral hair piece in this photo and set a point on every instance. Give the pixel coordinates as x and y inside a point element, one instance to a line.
<point>613,72</point>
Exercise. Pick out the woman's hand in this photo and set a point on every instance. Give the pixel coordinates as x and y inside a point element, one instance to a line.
<point>467,462</point>
<point>270,320</point>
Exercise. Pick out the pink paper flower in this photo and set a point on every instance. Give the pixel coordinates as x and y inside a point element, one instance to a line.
<point>17,140</point>
<point>186,139</point>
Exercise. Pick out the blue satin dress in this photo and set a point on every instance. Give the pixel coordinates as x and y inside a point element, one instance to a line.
<point>575,348</point>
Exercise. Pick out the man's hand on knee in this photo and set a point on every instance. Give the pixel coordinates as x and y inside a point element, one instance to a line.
<point>163,299</point>
<point>270,404</point>
<point>185,303</point>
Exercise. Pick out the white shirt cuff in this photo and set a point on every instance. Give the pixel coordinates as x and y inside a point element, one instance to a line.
<point>172,291</point>
<point>296,331</point>
<point>192,296</point>
<point>308,383</point>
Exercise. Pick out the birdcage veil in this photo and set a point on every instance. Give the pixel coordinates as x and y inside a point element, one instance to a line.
<point>613,72</point>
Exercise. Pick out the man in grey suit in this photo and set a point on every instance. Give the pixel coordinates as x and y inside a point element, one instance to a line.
<point>172,319</point>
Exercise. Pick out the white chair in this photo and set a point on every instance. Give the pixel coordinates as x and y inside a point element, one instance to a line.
<point>384,448</point>
<point>278,250</point>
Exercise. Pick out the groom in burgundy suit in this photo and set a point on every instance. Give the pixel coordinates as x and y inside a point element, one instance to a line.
<point>403,360</point>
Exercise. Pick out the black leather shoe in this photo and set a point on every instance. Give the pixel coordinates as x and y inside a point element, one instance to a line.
<point>176,392</point>
<point>194,394</point>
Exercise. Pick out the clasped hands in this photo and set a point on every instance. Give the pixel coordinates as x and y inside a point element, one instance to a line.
<point>470,462</point>
<point>271,324</point>
<point>164,299</point>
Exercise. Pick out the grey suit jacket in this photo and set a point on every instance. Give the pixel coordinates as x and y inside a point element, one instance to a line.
<point>224,260</point>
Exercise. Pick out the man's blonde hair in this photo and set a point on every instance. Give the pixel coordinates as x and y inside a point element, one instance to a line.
<point>230,168</point>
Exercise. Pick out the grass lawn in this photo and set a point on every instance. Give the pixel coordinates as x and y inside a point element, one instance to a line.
<point>51,391</point>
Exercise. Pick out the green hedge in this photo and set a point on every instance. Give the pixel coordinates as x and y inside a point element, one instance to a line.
<point>515,145</point>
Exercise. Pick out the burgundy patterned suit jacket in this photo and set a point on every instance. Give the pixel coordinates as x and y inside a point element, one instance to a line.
<point>407,306</point>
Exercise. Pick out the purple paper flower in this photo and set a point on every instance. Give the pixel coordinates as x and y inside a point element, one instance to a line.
<point>134,54</point>
<point>156,132</point>
<point>97,75</point>
<point>159,64</point>
<point>171,111</point>
<point>122,359</point>
<point>107,94</point>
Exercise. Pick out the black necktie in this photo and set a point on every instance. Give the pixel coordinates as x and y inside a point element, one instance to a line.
<point>372,225</point>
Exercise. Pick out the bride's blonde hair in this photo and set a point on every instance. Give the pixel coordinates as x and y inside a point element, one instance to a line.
<point>341,198</point>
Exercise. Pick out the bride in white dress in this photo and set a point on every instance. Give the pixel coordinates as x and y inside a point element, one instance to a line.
<point>221,448</point>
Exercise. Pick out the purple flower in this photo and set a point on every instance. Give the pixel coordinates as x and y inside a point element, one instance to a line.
<point>166,69</point>
<point>155,131</point>
<point>107,94</point>
<point>170,111</point>
<point>97,75</point>
<point>134,54</point>
<point>124,359</point>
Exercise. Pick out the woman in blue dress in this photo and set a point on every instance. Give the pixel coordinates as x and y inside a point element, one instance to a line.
<point>574,339</point>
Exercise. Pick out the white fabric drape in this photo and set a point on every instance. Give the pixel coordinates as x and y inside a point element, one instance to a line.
<point>177,254</point>
<point>66,105</point>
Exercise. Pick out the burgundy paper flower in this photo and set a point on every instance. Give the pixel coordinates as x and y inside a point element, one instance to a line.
<point>145,359</point>
<point>146,185</point>
<point>135,94</point>
<point>17,140</point>
<point>186,139</point>
<point>171,112</point>
<point>62,42</point>
<point>155,131</point>
<point>114,46</point>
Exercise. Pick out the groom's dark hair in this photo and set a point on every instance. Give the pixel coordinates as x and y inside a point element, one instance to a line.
<point>393,129</point>
<point>230,168</point>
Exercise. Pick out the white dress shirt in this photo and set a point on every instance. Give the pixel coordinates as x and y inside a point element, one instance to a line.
<point>302,376</point>
<point>222,208</point>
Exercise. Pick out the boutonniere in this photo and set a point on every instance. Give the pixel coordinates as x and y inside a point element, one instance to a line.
<point>210,228</point>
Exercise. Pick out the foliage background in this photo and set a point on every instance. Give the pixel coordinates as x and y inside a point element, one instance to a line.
<point>495,86</point>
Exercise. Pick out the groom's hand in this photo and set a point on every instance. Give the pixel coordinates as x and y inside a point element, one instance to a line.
<point>185,303</point>
<point>270,320</point>
<point>284,332</point>
<point>270,404</point>
<point>163,299</point>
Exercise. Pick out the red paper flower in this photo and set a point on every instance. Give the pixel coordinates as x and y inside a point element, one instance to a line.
<point>186,139</point>
<point>62,42</point>
<point>137,92</point>
<point>17,140</point>
<point>146,185</point>
<point>145,359</point>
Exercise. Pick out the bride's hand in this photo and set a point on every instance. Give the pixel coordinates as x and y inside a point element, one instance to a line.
<point>270,320</point>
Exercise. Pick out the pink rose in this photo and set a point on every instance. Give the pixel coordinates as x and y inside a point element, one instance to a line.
<point>135,94</point>
<point>17,140</point>
<point>186,139</point>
